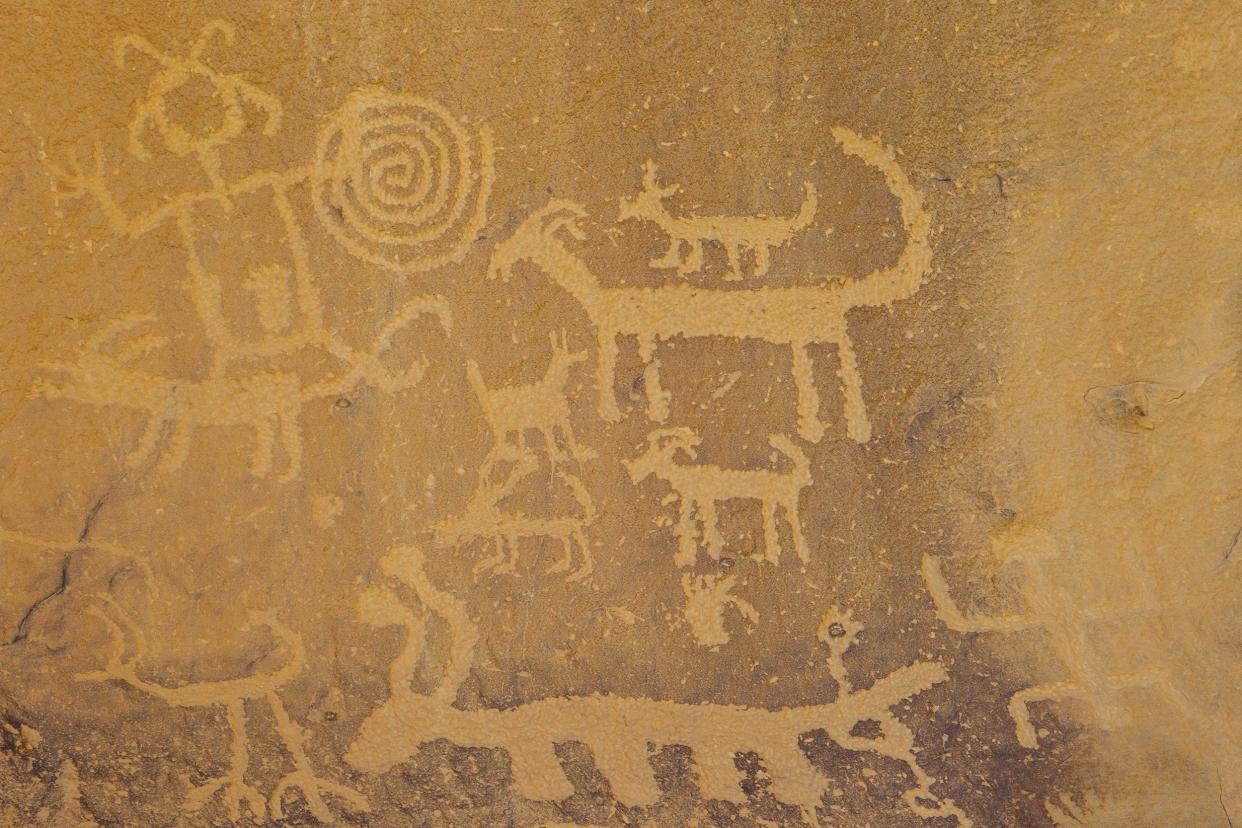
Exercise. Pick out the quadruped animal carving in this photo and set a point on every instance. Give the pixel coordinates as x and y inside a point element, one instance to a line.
<point>700,487</point>
<point>736,234</point>
<point>232,695</point>
<point>539,406</point>
<point>269,402</point>
<point>620,730</point>
<point>1067,625</point>
<point>798,316</point>
<point>230,92</point>
<point>485,518</point>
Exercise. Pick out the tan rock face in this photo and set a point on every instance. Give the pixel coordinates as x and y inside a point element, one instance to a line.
<point>596,414</point>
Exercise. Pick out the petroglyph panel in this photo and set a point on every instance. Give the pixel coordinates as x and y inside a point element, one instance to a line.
<point>743,414</point>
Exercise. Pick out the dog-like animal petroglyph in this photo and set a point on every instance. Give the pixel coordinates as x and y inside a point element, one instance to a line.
<point>269,402</point>
<point>699,488</point>
<point>736,234</point>
<point>539,406</point>
<point>231,695</point>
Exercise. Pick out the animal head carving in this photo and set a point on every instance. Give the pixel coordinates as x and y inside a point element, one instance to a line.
<point>107,352</point>
<point>663,444</point>
<point>537,233</point>
<point>647,203</point>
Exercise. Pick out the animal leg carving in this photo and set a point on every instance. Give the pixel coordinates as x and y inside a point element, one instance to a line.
<point>624,763</point>
<point>537,772</point>
<point>857,424</point>
<point>147,443</point>
<point>810,427</point>
<point>303,776</point>
<point>718,774</point>
<point>236,793</point>
<point>606,376</point>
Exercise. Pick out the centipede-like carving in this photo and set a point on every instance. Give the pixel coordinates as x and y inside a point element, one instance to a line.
<point>400,182</point>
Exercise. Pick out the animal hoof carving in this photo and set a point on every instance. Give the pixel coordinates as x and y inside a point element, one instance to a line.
<point>400,183</point>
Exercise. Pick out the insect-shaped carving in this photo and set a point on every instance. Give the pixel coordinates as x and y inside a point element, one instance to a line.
<point>619,729</point>
<point>228,92</point>
<point>267,401</point>
<point>232,695</point>
<point>798,316</point>
<point>700,487</point>
<point>735,233</point>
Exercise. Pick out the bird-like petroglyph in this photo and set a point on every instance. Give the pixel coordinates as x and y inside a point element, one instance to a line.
<point>1069,625</point>
<point>798,316</point>
<point>737,234</point>
<point>618,729</point>
<point>699,488</point>
<point>128,652</point>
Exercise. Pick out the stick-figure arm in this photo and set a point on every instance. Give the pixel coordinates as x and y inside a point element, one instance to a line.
<point>75,179</point>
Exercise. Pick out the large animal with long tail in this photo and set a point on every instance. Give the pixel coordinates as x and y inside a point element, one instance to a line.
<point>798,316</point>
<point>618,729</point>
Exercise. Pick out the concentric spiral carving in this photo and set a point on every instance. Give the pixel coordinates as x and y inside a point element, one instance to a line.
<point>400,182</point>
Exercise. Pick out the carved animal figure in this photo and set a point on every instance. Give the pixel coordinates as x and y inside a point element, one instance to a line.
<point>796,316</point>
<point>267,401</point>
<point>735,233</point>
<point>484,518</point>
<point>700,487</point>
<point>232,695</point>
<point>539,406</point>
<point>618,729</point>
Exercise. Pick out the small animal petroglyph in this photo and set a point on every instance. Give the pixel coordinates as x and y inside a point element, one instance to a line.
<point>707,598</point>
<point>232,695</point>
<point>1067,626</point>
<point>798,316</point>
<point>267,401</point>
<point>540,406</point>
<point>735,233</point>
<point>399,183</point>
<point>700,487</point>
<point>484,518</point>
<point>228,93</point>
<point>619,729</point>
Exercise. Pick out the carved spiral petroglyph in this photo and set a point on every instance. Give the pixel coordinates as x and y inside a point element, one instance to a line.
<point>400,182</point>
